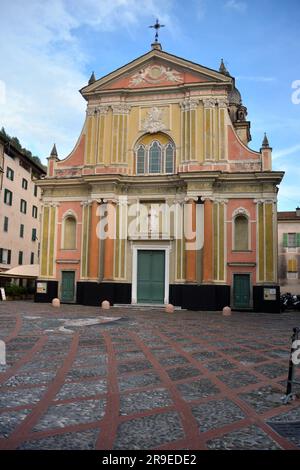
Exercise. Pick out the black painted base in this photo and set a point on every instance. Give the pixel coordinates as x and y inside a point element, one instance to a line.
<point>93,293</point>
<point>262,305</point>
<point>188,296</point>
<point>200,297</point>
<point>52,291</point>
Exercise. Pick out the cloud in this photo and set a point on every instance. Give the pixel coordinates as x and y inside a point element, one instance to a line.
<point>286,151</point>
<point>44,61</point>
<point>256,78</point>
<point>236,5</point>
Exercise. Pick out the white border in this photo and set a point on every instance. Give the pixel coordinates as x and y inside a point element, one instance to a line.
<point>135,249</point>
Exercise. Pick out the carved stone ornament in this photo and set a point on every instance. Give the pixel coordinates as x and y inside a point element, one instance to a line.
<point>240,211</point>
<point>222,102</point>
<point>121,108</point>
<point>154,74</point>
<point>153,121</point>
<point>189,104</point>
<point>209,102</point>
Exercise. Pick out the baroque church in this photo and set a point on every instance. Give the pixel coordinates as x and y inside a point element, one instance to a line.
<point>162,200</point>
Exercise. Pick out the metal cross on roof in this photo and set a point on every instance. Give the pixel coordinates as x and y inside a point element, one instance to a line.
<point>157,26</point>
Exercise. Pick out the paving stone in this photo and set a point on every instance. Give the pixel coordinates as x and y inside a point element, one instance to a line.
<point>273,370</point>
<point>173,360</point>
<point>197,389</point>
<point>84,372</point>
<point>216,413</point>
<point>136,381</point>
<point>134,366</point>
<point>249,438</point>
<point>262,341</point>
<point>20,397</point>
<point>279,353</point>
<point>179,373</point>
<point>82,389</point>
<point>130,355</point>
<point>149,432</point>
<point>264,398</point>
<point>59,416</point>
<point>216,366</point>
<point>10,420</point>
<point>90,361</point>
<point>232,350</point>
<point>238,379</point>
<point>82,440</point>
<point>141,401</point>
<point>203,355</point>
<point>29,379</point>
<point>250,359</point>
<point>287,416</point>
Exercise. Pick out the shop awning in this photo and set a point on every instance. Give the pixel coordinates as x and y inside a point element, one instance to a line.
<point>25,271</point>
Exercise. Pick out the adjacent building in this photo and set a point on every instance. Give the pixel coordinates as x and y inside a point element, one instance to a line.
<point>162,199</point>
<point>20,207</point>
<point>289,251</point>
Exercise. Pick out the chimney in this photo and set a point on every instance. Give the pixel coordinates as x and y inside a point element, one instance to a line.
<point>298,211</point>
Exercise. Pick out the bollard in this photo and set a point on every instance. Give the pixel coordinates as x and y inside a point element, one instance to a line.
<point>105,305</point>
<point>226,312</point>
<point>169,308</point>
<point>56,303</point>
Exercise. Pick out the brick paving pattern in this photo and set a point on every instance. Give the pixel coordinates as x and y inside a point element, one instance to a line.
<point>145,380</point>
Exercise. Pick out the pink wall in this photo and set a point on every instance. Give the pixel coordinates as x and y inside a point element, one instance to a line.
<point>245,256</point>
<point>70,255</point>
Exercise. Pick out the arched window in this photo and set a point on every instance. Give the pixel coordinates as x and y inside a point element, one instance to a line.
<point>140,160</point>
<point>155,158</point>
<point>155,154</point>
<point>169,159</point>
<point>241,233</point>
<point>69,240</point>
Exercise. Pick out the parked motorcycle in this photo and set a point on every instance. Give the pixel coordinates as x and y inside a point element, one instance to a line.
<point>289,301</point>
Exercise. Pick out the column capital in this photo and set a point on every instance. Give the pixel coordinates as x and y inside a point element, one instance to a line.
<point>222,102</point>
<point>121,108</point>
<point>209,102</point>
<point>110,200</point>
<point>265,200</point>
<point>191,198</point>
<point>189,104</point>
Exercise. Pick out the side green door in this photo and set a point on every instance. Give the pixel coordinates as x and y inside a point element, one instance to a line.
<point>241,290</point>
<point>67,286</point>
<point>151,276</point>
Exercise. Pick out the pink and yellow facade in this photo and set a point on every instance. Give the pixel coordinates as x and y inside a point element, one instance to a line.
<point>161,199</point>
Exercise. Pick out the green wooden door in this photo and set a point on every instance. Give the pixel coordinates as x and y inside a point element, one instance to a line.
<point>151,276</point>
<point>67,286</point>
<point>241,290</point>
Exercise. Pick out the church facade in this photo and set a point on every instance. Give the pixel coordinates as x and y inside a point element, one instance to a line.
<point>162,200</point>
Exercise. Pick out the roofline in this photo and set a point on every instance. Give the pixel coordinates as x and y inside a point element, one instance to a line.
<point>159,53</point>
<point>13,150</point>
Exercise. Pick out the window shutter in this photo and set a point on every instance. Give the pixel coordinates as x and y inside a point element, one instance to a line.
<point>298,239</point>
<point>285,240</point>
<point>1,254</point>
<point>8,256</point>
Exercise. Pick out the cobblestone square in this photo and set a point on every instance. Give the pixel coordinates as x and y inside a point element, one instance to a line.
<point>145,379</point>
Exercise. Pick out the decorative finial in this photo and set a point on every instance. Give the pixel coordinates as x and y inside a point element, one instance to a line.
<point>265,142</point>
<point>53,151</point>
<point>157,27</point>
<point>223,69</point>
<point>92,79</point>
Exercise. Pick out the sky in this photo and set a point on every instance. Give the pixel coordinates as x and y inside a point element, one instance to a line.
<point>49,48</point>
